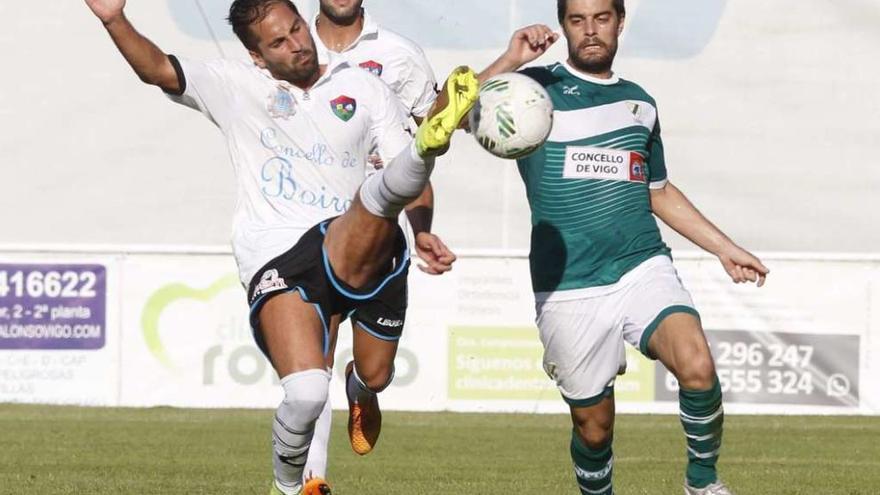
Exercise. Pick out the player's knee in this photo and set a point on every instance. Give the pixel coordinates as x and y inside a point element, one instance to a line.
<point>697,373</point>
<point>305,394</point>
<point>595,431</point>
<point>376,377</point>
<point>595,436</point>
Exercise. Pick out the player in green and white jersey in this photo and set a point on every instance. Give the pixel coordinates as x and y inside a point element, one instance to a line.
<point>601,272</point>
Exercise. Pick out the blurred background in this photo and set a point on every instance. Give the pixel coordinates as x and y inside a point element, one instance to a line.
<point>770,116</point>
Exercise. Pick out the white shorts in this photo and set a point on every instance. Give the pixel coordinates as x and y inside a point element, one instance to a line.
<point>583,330</point>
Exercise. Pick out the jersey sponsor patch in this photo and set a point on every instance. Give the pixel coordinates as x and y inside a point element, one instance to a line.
<point>637,168</point>
<point>344,107</point>
<point>583,162</point>
<point>372,66</point>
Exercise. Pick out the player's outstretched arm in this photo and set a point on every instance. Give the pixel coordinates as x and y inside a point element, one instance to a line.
<point>673,207</point>
<point>526,45</point>
<point>149,62</point>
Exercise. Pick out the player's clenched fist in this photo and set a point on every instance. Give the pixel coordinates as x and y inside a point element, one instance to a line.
<point>530,42</point>
<point>526,45</point>
<point>106,10</point>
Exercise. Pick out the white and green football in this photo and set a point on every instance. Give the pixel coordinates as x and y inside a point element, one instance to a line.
<point>512,117</point>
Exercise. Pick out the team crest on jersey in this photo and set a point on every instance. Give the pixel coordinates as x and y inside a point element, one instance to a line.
<point>344,107</point>
<point>372,66</point>
<point>281,104</point>
<point>635,109</point>
<point>637,168</point>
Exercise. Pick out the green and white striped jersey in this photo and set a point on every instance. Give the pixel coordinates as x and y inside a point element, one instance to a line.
<point>588,185</point>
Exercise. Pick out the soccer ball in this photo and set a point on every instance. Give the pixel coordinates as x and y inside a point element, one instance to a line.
<point>512,117</point>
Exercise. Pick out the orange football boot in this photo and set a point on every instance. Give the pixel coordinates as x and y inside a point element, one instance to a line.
<point>364,419</point>
<point>316,486</point>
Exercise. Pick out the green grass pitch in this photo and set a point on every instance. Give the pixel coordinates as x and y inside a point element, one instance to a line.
<point>66,450</point>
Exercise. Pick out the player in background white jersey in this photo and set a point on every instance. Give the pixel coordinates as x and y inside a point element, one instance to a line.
<point>343,29</point>
<point>298,134</point>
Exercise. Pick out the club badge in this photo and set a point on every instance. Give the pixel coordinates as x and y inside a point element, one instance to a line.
<point>372,66</point>
<point>636,110</point>
<point>344,107</point>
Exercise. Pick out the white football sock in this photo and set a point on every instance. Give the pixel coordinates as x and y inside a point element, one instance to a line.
<point>316,462</point>
<point>388,191</point>
<point>305,394</point>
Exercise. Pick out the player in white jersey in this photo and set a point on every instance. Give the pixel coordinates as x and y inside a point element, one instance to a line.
<point>297,134</point>
<point>601,273</point>
<point>342,29</point>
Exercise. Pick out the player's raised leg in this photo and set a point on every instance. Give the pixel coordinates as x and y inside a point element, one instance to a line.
<point>385,194</point>
<point>294,336</point>
<point>359,243</point>
<point>680,344</point>
<point>360,247</point>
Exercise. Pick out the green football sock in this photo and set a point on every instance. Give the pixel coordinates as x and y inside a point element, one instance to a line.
<point>592,468</point>
<point>702,417</point>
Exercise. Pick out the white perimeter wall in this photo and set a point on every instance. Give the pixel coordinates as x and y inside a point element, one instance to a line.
<point>146,329</point>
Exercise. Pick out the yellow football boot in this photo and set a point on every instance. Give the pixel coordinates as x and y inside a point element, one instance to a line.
<point>453,103</point>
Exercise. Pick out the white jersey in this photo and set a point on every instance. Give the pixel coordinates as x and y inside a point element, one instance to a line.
<point>399,62</point>
<point>298,155</point>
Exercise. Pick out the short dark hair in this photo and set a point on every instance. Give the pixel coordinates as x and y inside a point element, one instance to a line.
<point>243,13</point>
<point>562,6</point>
